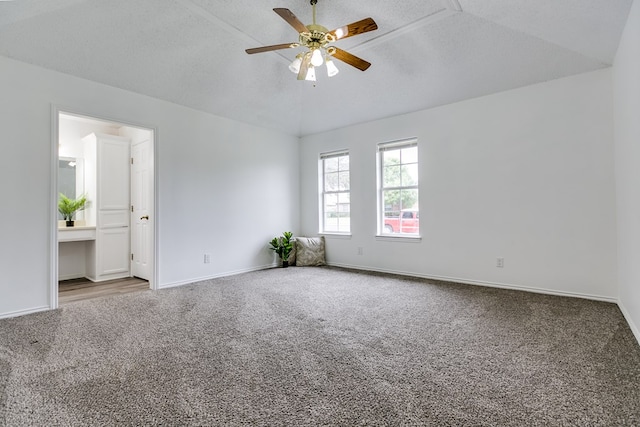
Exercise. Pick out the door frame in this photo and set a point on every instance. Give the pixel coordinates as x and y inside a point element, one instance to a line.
<point>56,110</point>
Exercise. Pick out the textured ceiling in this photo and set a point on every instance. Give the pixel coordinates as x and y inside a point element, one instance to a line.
<point>425,53</point>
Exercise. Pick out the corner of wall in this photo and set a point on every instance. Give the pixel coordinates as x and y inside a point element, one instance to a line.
<point>634,328</point>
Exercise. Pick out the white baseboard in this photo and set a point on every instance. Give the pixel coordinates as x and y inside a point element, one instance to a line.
<point>70,277</point>
<point>632,325</point>
<point>482,283</point>
<point>23,312</point>
<point>215,276</point>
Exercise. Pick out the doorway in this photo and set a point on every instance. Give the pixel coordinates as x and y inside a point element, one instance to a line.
<point>110,240</point>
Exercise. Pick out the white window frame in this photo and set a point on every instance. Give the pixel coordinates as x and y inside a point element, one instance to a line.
<point>323,192</point>
<point>382,148</point>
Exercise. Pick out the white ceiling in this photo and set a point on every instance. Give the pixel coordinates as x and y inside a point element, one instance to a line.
<point>425,53</point>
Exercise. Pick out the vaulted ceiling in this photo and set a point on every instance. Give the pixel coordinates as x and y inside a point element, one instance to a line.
<point>425,53</point>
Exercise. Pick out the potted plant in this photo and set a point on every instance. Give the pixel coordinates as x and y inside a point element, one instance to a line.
<point>68,207</point>
<point>283,247</point>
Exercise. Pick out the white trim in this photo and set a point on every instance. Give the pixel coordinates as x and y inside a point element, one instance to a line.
<point>330,235</point>
<point>627,316</point>
<point>217,276</point>
<point>53,209</point>
<point>24,312</point>
<point>481,283</point>
<point>400,238</point>
<point>156,224</point>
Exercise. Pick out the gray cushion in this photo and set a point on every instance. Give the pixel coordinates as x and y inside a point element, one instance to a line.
<point>310,251</point>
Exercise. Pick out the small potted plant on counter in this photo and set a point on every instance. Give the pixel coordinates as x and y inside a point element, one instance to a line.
<point>68,207</point>
<point>283,247</point>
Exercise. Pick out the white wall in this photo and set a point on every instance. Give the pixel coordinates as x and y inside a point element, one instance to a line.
<point>72,130</point>
<point>526,175</point>
<point>626,94</point>
<point>223,187</point>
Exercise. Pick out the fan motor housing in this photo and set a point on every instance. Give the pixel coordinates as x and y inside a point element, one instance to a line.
<point>318,36</point>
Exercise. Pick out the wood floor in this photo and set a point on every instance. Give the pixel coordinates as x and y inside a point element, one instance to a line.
<point>83,289</point>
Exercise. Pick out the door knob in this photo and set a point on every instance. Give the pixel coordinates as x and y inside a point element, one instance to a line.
<point>145,217</point>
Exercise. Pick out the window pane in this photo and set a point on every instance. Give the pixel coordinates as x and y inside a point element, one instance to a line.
<point>336,203</point>
<point>331,181</point>
<point>409,175</point>
<point>391,156</point>
<point>344,212</point>
<point>398,195</point>
<point>331,164</point>
<point>330,223</point>
<point>391,202</point>
<point>330,202</point>
<point>343,178</point>
<point>330,212</point>
<point>343,163</point>
<point>408,199</point>
<point>409,155</point>
<point>391,175</point>
<point>344,202</point>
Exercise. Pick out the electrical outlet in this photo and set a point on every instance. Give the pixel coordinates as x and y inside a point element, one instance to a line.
<point>360,250</point>
<point>207,258</point>
<point>500,262</point>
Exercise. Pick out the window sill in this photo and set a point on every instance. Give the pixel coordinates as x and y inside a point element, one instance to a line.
<point>398,238</point>
<point>335,235</point>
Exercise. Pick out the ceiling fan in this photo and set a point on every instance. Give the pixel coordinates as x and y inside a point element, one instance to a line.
<point>317,39</point>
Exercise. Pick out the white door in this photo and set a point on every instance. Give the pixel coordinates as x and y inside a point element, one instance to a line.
<point>142,209</point>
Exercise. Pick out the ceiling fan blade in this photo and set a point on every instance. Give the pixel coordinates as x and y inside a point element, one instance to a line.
<point>353,29</point>
<point>292,19</point>
<point>270,48</point>
<point>351,59</point>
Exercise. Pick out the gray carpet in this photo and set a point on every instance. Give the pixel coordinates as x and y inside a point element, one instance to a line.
<point>321,346</point>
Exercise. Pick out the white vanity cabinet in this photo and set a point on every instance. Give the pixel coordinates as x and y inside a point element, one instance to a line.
<point>107,168</point>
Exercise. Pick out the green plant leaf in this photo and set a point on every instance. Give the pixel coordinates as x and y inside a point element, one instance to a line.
<point>282,245</point>
<point>68,207</point>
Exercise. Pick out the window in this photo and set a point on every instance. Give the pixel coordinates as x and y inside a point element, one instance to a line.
<point>335,192</point>
<point>398,188</point>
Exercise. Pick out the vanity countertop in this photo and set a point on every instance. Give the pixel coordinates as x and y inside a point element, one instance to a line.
<point>76,234</point>
<point>77,227</point>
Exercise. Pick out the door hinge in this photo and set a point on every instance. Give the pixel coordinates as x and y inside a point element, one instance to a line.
<point>131,257</point>
<point>132,160</point>
<point>131,208</point>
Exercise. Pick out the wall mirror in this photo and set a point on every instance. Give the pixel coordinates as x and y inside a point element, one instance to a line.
<point>71,180</point>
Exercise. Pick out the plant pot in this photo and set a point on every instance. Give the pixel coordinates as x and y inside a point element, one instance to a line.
<point>285,264</point>
<point>70,223</point>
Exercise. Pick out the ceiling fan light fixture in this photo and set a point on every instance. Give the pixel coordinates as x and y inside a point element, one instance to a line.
<point>316,58</point>
<point>295,65</point>
<point>311,74</point>
<point>332,70</point>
